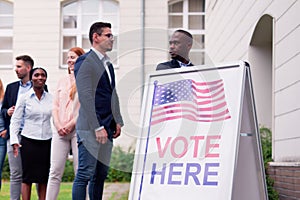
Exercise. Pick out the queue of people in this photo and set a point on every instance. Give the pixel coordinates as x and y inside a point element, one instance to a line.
<point>25,128</point>
<point>86,118</point>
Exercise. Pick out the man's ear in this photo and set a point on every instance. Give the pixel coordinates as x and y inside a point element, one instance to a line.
<point>190,45</point>
<point>95,38</point>
<point>28,67</point>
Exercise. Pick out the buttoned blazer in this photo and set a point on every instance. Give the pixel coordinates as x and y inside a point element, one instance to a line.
<point>169,65</point>
<point>99,103</point>
<point>10,99</point>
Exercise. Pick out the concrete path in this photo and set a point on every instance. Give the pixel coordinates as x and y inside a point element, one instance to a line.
<point>114,191</point>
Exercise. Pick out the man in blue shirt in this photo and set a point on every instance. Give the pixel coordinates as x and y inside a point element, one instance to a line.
<point>13,90</point>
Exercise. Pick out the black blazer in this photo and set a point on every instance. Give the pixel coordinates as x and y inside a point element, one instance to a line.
<point>169,65</point>
<point>10,99</point>
<point>99,103</point>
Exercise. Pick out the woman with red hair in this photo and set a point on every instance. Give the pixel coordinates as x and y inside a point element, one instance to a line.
<point>64,113</point>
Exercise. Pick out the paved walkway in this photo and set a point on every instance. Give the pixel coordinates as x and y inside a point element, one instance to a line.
<point>114,191</point>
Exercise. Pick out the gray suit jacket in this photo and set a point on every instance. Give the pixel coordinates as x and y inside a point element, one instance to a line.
<point>99,102</point>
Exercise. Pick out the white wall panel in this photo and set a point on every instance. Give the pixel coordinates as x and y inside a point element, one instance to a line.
<point>288,74</point>
<point>288,47</point>
<point>286,150</point>
<point>229,29</point>
<point>289,20</point>
<point>287,100</point>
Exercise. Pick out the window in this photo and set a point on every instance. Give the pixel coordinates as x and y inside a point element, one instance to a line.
<point>6,34</point>
<point>79,15</point>
<point>190,15</point>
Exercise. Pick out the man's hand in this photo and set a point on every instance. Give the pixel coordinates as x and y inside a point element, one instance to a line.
<point>15,149</point>
<point>118,131</point>
<point>10,111</point>
<point>3,133</point>
<point>101,136</point>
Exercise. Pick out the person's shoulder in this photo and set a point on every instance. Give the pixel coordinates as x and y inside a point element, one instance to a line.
<point>166,65</point>
<point>79,62</point>
<point>11,87</point>
<point>82,57</point>
<point>48,95</point>
<point>62,82</point>
<point>64,78</point>
<point>22,98</point>
<point>12,84</point>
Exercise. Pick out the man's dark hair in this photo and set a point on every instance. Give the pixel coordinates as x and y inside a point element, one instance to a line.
<point>185,33</point>
<point>26,59</point>
<point>98,28</point>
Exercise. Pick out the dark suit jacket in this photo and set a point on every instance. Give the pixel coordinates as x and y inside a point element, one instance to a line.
<point>99,103</point>
<point>169,65</point>
<point>10,99</point>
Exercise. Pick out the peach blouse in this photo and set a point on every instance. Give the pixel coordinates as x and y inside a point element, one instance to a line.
<point>64,108</point>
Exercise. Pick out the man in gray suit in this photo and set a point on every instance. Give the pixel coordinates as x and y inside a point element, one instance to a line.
<point>99,120</point>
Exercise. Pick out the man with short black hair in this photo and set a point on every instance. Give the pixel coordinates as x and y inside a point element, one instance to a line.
<point>180,45</point>
<point>99,120</point>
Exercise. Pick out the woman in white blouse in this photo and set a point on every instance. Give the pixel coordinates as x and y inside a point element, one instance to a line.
<point>34,110</point>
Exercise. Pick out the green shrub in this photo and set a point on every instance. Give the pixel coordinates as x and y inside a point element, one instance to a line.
<point>120,165</point>
<point>69,172</point>
<point>266,143</point>
<point>5,170</point>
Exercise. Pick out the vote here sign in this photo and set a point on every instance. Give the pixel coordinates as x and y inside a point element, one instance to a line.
<point>187,146</point>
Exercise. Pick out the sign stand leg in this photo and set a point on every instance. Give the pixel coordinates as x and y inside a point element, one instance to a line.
<point>249,175</point>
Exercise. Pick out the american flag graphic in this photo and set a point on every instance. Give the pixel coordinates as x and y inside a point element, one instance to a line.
<point>188,99</point>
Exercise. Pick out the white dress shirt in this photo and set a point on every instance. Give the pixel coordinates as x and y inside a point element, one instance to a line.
<point>183,64</point>
<point>23,88</point>
<point>36,115</point>
<point>104,59</point>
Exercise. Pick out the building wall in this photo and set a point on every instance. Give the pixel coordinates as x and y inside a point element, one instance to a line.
<point>37,32</point>
<point>230,27</point>
<point>138,58</point>
<point>230,32</point>
<point>286,179</point>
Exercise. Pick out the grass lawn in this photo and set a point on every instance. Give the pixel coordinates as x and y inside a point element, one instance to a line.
<point>64,194</point>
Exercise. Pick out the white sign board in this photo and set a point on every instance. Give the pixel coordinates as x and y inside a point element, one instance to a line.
<point>194,122</point>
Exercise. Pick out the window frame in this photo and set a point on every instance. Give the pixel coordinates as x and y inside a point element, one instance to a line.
<point>185,24</point>
<point>79,33</point>
<point>7,32</point>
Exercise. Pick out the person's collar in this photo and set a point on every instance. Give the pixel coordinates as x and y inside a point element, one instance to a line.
<point>27,84</point>
<point>32,93</point>
<point>98,53</point>
<point>183,64</point>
